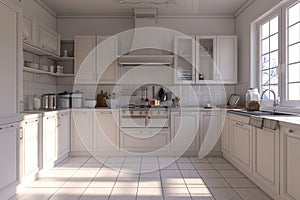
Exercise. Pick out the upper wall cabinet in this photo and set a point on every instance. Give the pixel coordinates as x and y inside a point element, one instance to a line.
<point>39,39</point>
<point>216,59</point>
<point>95,63</point>
<point>184,62</point>
<point>227,59</point>
<point>206,58</point>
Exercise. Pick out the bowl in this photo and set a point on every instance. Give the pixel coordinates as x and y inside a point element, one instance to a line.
<point>112,103</point>
<point>90,103</point>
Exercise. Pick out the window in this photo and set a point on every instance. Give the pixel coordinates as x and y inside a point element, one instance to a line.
<point>293,53</point>
<point>269,57</point>
<point>279,54</point>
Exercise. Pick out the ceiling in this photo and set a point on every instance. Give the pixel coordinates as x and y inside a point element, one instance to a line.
<point>181,7</point>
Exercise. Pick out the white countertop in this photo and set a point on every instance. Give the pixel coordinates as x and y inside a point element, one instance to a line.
<point>7,119</point>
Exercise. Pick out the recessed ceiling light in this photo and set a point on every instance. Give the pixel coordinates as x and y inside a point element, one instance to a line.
<point>144,2</point>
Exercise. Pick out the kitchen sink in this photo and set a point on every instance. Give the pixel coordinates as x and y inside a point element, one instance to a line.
<point>260,113</point>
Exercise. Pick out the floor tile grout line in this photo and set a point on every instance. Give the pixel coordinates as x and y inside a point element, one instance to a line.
<point>184,181</point>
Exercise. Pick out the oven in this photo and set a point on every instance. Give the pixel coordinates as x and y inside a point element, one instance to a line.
<point>144,129</point>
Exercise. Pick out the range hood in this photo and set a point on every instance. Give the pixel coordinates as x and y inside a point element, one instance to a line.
<point>136,60</point>
<point>145,17</point>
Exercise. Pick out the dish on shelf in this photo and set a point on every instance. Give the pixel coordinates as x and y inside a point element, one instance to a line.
<point>31,65</point>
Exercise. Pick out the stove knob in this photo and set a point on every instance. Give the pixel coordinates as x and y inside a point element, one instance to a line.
<point>131,112</point>
<point>141,112</point>
<point>146,112</point>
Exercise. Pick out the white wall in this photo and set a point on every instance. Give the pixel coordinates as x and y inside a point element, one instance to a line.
<point>35,11</point>
<point>243,31</point>
<point>84,26</point>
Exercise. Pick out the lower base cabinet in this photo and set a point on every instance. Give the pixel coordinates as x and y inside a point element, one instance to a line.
<point>290,163</point>
<point>29,149</point>
<point>106,131</point>
<point>8,155</point>
<point>242,146</point>
<point>81,133</point>
<point>185,132</point>
<point>266,159</point>
<point>63,135</point>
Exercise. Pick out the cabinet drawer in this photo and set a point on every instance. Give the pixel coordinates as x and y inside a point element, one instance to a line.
<point>133,122</point>
<point>144,141</point>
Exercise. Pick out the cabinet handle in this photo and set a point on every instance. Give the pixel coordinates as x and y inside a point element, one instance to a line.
<point>239,124</point>
<point>106,112</point>
<point>291,133</point>
<point>21,133</point>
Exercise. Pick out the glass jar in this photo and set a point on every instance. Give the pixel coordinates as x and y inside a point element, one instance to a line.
<point>252,99</point>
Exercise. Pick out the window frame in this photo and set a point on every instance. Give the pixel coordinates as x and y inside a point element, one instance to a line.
<point>261,22</point>
<point>282,13</point>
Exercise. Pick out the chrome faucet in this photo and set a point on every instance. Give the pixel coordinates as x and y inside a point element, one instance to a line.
<point>275,103</point>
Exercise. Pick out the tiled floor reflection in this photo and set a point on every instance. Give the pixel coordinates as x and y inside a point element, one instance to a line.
<point>190,178</point>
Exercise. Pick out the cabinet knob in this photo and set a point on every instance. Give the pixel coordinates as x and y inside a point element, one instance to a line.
<point>291,131</point>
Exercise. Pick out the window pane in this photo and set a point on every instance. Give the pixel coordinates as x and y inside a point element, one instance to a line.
<point>265,32</point>
<point>266,95</point>
<point>294,53</point>
<point>274,76</point>
<point>294,14</point>
<point>294,34</point>
<point>274,26</point>
<point>265,61</point>
<point>294,73</point>
<point>274,59</point>
<point>294,91</point>
<point>274,42</point>
<point>265,77</point>
<point>275,89</point>
<point>265,46</point>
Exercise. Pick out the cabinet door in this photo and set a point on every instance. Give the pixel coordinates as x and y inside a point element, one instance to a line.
<point>242,146</point>
<point>206,54</point>
<point>49,140</point>
<point>28,31</point>
<point>107,65</point>
<point>266,158</point>
<point>48,40</point>
<point>290,163</point>
<point>184,49</point>
<point>210,132</point>
<point>106,131</point>
<point>9,59</point>
<point>227,59</point>
<point>225,137</point>
<point>8,154</point>
<point>85,59</point>
<point>82,128</point>
<point>63,134</point>
<point>30,146</point>
<point>184,132</point>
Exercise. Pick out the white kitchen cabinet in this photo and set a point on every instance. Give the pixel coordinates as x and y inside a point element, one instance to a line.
<point>184,62</point>
<point>106,131</point>
<point>29,149</point>
<point>85,59</point>
<point>241,142</point>
<point>47,39</point>
<point>290,162</point>
<point>107,65</point>
<point>226,59</point>
<point>28,30</point>
<point>49,140</point>
<point>226,136</point>
<point>8,155</point>
<point>10,57</point>
<point>266,159</point>
<point>210,132</point>
<point>81,131</point>
<point>185,132</point>
<point>63,134</point>
<point>206,59</point>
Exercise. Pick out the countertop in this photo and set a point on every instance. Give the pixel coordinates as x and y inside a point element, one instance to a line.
<point>7,119</point>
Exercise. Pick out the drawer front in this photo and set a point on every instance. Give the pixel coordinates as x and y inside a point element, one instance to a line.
<point>143,141</point>
<point>157,122</point>
<point>133,122</point>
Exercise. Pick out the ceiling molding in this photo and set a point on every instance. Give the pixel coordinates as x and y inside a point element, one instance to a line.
<point>243,7</point>
<point>131,16</point>
<point>46,7</point>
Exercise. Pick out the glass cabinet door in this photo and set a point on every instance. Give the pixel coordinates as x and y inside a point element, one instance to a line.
<point>205,58</point>
<point>184,60</point>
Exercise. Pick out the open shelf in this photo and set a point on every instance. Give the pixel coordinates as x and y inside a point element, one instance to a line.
<point>37,71</point>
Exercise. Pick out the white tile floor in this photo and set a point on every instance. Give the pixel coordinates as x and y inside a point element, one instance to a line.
<point>191,178</point>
